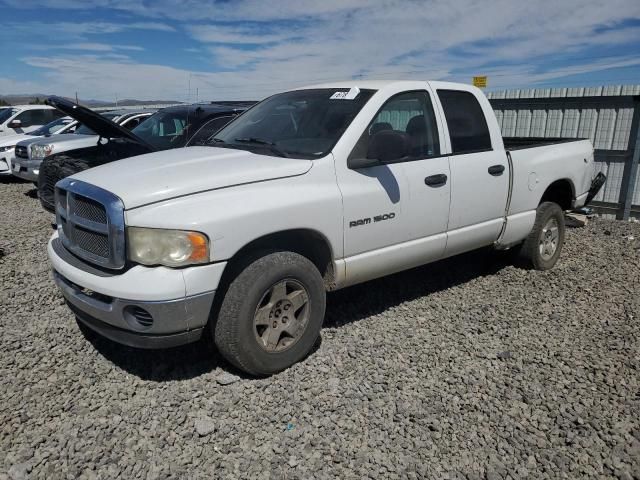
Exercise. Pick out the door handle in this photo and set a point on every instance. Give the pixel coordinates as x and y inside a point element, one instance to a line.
<point>436,180</point>
<point>496,170</point>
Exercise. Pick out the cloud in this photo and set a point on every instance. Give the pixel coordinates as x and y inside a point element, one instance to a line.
<point>250,48</point>
<point>90,47</point>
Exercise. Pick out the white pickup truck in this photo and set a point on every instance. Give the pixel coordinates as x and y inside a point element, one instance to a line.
<point>310,190</point>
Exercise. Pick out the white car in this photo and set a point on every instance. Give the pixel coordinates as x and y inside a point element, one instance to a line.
<point>310,190</point>
<point>8,143</point>
<point>29,154</point>
<point>26,118</point>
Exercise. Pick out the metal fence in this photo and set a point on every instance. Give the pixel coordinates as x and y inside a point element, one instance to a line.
<point>608,115</point>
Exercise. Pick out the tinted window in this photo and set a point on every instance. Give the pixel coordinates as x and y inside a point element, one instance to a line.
<point>52,127</point>
<point>6,114</point>
<point>209,129</point>
<point>467,125</point>
<point>133,123</point>
<point>410,114</point>
<point>164,129</point>
<point>28,118</point>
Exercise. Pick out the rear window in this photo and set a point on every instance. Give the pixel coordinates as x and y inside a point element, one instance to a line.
<point>468,128</point>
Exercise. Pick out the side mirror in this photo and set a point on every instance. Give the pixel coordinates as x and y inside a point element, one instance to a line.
<point>355,163</point>
<point>389,146</point>
<point>15,124</point>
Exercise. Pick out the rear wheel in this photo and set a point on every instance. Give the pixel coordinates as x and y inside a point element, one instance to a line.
<point>542,247</point>
<point>271,314</point>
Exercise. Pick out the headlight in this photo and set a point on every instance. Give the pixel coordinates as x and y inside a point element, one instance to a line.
<point>38,152</point>
<point>172,248</point>
<point>6,149</point>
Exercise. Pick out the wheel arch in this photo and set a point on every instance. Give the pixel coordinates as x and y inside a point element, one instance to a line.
<point>561,191</point>
<point>309,243</point>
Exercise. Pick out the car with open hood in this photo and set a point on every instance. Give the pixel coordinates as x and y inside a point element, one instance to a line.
<point>169,128</point>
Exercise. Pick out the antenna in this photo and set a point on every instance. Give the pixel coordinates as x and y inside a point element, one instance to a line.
<point>76,98</point>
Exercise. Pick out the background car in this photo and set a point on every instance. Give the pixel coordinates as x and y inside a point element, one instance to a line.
<point>26,118</point>
<point>172,127</point>
<point>29,153</point>
<point>8,143</point>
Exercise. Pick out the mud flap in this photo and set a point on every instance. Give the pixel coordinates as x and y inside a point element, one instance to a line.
<point>596,185</point>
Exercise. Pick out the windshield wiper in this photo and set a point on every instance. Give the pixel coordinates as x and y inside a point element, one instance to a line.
<point>260,141</point>
<point>210,141</point>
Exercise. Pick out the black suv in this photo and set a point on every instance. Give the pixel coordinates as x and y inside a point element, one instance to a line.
<point>172,127</point>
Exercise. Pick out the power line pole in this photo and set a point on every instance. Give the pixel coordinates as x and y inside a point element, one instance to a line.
<point>77,98</point>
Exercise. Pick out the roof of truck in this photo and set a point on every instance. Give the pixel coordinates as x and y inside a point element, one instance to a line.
<point>380,84</point>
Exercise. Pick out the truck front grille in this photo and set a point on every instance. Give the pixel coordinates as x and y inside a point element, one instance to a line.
<point>91,223</point>
<point>21,152</point>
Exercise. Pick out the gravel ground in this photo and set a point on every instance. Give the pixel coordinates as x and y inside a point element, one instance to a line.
<point>470,368</point>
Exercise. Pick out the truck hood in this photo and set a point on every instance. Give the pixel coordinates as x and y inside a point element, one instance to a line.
<point>160,176</point>
<point>11,140</point>
<point>96,122</point>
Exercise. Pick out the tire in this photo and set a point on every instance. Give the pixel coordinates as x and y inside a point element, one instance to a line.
<point>542,247</point>
<point>251,301</point>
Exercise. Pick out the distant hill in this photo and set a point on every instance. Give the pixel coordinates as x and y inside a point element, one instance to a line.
<point>29,98</point>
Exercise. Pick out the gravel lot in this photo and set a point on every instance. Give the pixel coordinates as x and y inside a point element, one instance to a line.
<point>470,368</point>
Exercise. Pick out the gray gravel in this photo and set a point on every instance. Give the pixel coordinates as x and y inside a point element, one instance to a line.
<point>467,369</point>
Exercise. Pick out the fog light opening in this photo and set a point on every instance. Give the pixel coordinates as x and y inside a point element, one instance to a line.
<point>138,317</point>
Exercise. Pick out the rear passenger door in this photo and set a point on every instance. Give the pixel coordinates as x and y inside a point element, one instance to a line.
<point>479,174</point>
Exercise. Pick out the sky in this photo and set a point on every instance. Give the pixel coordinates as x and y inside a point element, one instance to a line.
<point>188,50</point>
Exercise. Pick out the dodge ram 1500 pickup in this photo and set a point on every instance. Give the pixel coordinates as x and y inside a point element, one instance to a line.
<point>310,190</point>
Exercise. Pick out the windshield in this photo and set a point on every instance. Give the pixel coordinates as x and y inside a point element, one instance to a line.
<point>51,128</point>
<point>164,130</point>
<point>302,123</point>
<point>84,130</point>
<point>7,113</point>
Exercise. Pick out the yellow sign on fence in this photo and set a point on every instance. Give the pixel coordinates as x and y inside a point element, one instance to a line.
<point>480,82</point>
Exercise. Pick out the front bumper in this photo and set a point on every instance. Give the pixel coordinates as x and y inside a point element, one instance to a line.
<point>116,318</point>
<point>5,164</point>
<point>26,169</point>
<point>142,307</point>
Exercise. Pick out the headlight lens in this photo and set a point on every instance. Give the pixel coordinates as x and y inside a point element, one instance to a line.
<point>6,149</point>
<point>172,248</point>
<point>38,152</point>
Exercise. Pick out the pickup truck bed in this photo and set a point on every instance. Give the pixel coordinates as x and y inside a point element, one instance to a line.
<point>518,143</point>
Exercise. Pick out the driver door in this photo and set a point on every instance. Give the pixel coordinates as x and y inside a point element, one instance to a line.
<point>389,210</point>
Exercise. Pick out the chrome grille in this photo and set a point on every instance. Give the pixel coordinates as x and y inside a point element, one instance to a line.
<point>90,209</point>
<point>21,152</point>
<point>90,223</point>
<point>95,243</point>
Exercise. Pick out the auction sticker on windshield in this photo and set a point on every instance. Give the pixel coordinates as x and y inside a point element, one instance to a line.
<point>350,95</point>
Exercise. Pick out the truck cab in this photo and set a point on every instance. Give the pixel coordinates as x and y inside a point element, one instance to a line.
<point>310,190</point>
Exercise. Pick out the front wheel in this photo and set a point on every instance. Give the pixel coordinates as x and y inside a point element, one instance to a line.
<point>542,247</point>
<point>271,314</point>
